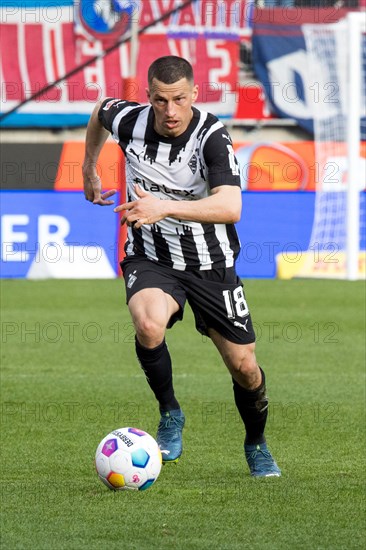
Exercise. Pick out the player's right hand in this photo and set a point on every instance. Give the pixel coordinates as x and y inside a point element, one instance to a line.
<point>93,190</point>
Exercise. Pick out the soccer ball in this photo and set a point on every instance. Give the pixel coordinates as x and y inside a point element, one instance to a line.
<point>128,458</point>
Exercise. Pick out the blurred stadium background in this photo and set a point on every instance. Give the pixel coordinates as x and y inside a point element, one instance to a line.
<point>250,62</point>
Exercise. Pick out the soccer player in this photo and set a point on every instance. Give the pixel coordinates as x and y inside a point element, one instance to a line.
<point>183,198</point>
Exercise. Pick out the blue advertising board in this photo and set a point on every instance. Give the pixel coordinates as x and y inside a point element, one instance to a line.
<point>272,223</point>
<point>45,226</point>
<point>42,227</point>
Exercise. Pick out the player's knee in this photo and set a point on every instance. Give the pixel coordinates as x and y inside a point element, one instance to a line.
<point>245,366</point>
<point>149,331</point>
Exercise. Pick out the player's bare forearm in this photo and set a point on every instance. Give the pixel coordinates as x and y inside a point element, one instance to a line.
<point>96,136</point>
<point>223,206</point>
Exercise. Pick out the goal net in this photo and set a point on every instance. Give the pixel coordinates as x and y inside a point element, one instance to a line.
<point>337,77</point>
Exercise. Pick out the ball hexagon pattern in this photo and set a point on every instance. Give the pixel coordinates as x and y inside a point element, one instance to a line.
<point>140,458</point>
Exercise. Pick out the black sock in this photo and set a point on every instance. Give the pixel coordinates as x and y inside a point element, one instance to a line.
<point>253,409</point>
<point>157,366</point>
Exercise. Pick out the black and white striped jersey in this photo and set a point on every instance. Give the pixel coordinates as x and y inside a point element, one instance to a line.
<point>186,167</point>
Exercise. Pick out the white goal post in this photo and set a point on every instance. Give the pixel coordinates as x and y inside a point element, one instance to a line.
<point>356,37</point>
<point>336,56</point>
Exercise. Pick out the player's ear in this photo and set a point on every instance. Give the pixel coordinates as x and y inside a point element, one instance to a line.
<point>148,93</point>
<point>194,93</point>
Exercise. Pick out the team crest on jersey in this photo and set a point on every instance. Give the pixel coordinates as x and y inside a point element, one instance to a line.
<point>131,279</point>
<point>193,164</point>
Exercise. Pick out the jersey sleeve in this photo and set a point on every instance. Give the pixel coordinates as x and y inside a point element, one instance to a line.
<point>219,156</point>
<point>110,108</point>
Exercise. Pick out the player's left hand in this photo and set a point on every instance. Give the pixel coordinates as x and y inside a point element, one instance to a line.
<point>145,210</point>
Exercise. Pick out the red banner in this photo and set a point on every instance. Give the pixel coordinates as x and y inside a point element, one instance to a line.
<point>44,49</point>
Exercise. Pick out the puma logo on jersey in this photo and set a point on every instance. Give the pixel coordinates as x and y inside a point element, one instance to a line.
<point>113,102</point>
<point>240,325</point>
<point>137,155</point>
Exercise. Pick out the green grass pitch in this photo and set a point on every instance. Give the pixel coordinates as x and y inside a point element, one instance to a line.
<point>69,376</point>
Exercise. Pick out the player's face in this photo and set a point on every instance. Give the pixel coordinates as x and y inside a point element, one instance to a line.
<point>172,104</point>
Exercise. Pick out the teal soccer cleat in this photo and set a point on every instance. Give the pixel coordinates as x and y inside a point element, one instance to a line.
<point>169,436</point>
<point>260,461</point>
